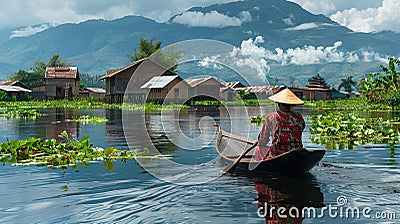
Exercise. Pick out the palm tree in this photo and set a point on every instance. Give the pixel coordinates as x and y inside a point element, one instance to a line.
<point>347,84</point>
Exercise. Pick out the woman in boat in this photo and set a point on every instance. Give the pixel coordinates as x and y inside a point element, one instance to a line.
<point>284,127</point>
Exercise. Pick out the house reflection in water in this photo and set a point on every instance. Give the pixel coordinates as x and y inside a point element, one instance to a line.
<point>58,120</point>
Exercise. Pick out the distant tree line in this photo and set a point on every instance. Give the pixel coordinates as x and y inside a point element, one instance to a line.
<point>91,81</point>
<point>36,76</point>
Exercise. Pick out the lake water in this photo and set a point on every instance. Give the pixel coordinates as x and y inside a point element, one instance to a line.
<point>189,187</point>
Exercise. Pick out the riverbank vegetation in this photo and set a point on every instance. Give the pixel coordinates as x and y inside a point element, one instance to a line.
<point>81,104</point>
<point>353,104</point>
<point>346,123</point>
<point>19,113</point>
<point>341,126</point>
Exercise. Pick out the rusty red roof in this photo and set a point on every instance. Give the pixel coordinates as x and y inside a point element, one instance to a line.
<point>14,83</point>
<point>62,73</point>
<point>8,83</point>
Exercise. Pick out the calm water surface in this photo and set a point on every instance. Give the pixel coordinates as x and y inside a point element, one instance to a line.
<point>365,178</point>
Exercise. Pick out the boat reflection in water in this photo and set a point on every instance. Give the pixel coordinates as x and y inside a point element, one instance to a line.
<point>283,199</point>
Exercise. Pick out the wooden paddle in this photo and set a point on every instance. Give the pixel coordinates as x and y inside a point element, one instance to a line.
<point>232,167</point>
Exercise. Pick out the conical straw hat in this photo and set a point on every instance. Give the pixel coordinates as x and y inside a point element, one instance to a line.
<point>287,97</point>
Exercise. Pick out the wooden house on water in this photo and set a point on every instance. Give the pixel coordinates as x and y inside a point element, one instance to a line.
<point>136,75</point>
<point>168,88</point>
<point>204,88</point>
<point>228,90</point>
<point>14,83</point>
<point>14,89</point>
<point>97,93</point>
<point>62,82</point>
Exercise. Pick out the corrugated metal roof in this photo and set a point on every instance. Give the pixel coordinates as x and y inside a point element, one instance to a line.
<point>197,81</point>
<point>159,82</point>
<point>319,89</point>
<point>223,89</point>
<point>96,90</point>
<point>260,89</point>
<point>61,72</point>
<point>14,83</point>
<point>236,84</point>
<point>14,89</point>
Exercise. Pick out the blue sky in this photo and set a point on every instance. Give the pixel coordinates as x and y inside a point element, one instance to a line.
<point>358,15</point>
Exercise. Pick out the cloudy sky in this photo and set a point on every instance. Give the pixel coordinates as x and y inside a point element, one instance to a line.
<point>358,15</point>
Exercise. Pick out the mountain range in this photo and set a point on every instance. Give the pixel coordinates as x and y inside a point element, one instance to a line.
<point>293,39</point>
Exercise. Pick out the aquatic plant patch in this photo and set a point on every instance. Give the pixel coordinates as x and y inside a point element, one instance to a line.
<point>87,119</point>
<point>352,104</point>
<point>72,104</point>
<point>258,119</point>
<point>80,104</point>
<point>49,152</point>
<point>345,130</point>
<point>19,113</point>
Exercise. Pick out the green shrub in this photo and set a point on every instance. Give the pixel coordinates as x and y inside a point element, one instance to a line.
<point>3,96</point>
<point>393,99</point>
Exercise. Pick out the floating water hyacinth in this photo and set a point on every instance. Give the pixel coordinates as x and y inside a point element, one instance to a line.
<point>87,119</point>
<point>258,119</point>
<point>49,152</point>
<point>19,113</point>
<point>344,130</point>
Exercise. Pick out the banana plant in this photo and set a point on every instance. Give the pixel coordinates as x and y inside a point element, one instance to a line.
<point>390,79</point>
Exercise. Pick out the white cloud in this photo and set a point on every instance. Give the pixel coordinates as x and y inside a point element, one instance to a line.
<point>385,17</point>
<point>18,13</point>
<point>306,55</point>
<point>370,56</point>
<point>29,31</point>
<point>252,55</point>
<point>245,16</point>
<point>307,26</point>
<point>210,62</point>
<point>304,26</point>
<point>352,57</point>
<point>211,19</point>
<point>288,21</point>
<point>316,6</point>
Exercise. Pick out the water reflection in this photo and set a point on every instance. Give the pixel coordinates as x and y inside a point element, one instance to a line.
<point>368,176</point>
<point>281,199</point>
<point>58,120</point>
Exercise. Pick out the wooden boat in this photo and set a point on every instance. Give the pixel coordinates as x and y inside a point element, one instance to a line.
<point>229,146</point>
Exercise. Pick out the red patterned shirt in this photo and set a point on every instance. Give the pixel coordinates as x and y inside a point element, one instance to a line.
<point>285,130</point>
